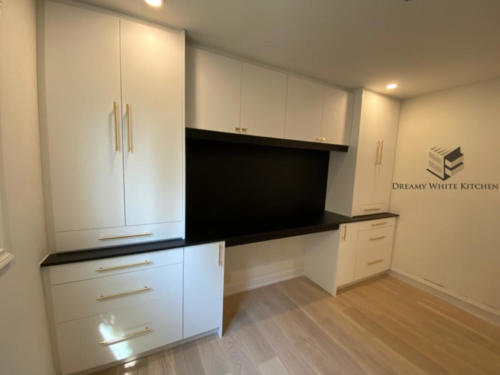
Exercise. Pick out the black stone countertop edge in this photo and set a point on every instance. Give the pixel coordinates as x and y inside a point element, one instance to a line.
<point>233,234</point>
<point>210,135</point>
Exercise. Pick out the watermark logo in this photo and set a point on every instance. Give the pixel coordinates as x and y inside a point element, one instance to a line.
<point>445,162</point>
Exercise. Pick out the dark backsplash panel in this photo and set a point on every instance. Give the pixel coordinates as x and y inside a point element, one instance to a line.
<point>227,182</point>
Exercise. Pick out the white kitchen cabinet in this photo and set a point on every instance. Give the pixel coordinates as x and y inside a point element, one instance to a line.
<point>355,252</point>
<point>120,308</point>
<point>263,101</point>
<point>213,91</point>
<point>82,86</point>
<point>359,183</point>
<point>152,72</point>
<point>346,262</point>
<point>203,288</point>
<point>112,115</point>
<point>336,121</point>
<point>378,124</point>
<point>304,109</point>
<point>228,95</point>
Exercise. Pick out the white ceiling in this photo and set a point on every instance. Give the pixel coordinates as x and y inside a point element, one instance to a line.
<point>425,45</point>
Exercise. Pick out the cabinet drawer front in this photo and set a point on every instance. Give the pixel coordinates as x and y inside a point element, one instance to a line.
<point>119,334</point>
<point>377,224</point>
<point>374,251</point>
<point>82,299</point>
<point>112,266</point>
<point>369,209</point>
<point>106,237</point>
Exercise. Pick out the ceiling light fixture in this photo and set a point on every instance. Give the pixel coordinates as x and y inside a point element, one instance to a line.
<point>391,86</point>
<point>154,3</point>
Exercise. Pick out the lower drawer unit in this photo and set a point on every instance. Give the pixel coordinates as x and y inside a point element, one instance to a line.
<point>374,252</point>
<point>113,309</point>
<point>81,299</point>
<point>119,334</point>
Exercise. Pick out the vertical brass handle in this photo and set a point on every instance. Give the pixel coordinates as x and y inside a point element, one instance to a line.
<point>381,152</point>
<point>118,142</point>
<point>130,140</point>
<point>378,153</point>
<point>345,232</point>
<point>220,255</point>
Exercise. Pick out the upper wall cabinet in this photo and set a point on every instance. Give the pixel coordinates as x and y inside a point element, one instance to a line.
<point>228,95</point>
<point>359,182</point>
<point>304,109</point>
<point>263,100</point>
<point>112,123</point>
<point>316,112</point>
<point>213,91</point>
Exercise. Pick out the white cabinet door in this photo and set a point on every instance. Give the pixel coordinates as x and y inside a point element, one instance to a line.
<point>304,109</point>
<point>153,100</point>
<point>263,101</point>
<point>388,126</point>
<point>82,81</point>
<point>375,154</point>
<point>203,288</point>
<point>346,262</point>
<point>336,121</point>
<point>213,91</point>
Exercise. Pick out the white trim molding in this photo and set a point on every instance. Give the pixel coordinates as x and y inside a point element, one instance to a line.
<point>257,281</point>
<point>478,309</point>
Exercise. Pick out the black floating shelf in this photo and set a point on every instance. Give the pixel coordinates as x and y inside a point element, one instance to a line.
<point>209,135</point>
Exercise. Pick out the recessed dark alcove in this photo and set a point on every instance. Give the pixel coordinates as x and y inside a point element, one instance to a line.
<point>237,184</point>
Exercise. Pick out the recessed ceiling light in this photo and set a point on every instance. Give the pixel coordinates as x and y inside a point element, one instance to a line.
<point>391,86</point>
<point>154,3</point>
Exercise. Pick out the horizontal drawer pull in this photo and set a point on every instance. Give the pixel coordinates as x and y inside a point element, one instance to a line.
<point>124,294</point>
<point>106,238</point>
<point>371,209</point>
<point>379,224</point>
<point>374,262</point>
<point>377,238</point>
<point>122,266</point>
<point>144,331</point>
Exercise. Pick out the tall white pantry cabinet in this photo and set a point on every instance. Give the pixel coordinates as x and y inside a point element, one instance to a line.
<point>359,181</point>
<point>112,114</point>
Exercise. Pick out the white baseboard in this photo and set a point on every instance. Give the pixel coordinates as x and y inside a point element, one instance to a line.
<point>254,282</point>
<point>478,309</point>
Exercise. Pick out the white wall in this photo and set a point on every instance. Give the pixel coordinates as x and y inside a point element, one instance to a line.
<point>451,237</point>
<point>24,340</point>
<point>258,264</point>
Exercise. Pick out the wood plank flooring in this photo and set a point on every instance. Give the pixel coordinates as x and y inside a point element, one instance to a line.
<point>382,326</point>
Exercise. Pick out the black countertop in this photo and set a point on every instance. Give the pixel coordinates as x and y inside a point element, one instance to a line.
<point>210,135</point>
<point>234,233</point>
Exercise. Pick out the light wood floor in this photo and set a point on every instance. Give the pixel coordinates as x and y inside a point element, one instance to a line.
<point>383,326</point>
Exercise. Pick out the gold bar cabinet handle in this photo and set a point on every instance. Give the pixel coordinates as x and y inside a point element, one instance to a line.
<point>118,142</point>
<point>377,238</point>
<point>130,139</point>
<point>123,266</point>
<point>144,331</point>
<point>381,152</point>
<point>374,262</point>
<point>124,294</point>
<point>220,255</point>
<point>379,224</point>
<point>345,232</point>
<point>371,209</point>
<point>378,153</point>
<point>106,238</point>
